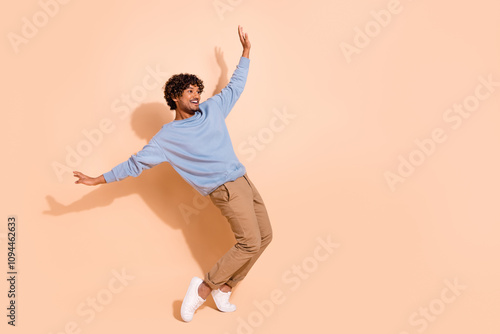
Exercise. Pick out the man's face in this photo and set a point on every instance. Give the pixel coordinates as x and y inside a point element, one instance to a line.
<point>189,101</point>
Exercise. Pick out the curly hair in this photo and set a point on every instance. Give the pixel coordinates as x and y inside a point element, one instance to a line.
<point>177,84</point>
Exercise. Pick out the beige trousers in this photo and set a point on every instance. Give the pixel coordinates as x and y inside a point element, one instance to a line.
<point>240,202</point>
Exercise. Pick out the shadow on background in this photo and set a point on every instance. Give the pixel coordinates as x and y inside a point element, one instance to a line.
<point>172,199</point>
<point>223,78</point>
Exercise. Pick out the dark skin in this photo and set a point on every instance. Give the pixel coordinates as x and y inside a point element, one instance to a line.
<point>186,106</point>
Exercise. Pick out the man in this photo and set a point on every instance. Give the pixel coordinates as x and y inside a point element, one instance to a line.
<point>197,145</point>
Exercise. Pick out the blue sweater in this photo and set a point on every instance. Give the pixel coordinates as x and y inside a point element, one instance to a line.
<point>199,147</point>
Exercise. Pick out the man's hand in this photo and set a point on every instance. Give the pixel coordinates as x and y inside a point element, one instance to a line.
<point>87,180</point>
<point>245,42</point>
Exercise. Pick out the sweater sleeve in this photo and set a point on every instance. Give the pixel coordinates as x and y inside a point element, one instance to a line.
<point>150,156</point>
<point>227,98</point>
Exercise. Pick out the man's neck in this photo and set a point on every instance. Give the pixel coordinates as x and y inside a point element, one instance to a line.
<point>180,114</point>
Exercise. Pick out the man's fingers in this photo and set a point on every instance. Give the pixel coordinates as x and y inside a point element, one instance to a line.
<point>83,179</point>
<point>79,175</point>
<point>243,36</point>
<point>240,33</point>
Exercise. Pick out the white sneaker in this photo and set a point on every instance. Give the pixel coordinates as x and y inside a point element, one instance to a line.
<point>191,300</point>
<point>222,301</point>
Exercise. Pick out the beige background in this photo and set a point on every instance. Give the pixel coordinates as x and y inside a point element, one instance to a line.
<point>321,170</point>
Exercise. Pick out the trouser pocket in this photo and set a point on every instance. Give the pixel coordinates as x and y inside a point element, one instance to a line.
<point>220,194</point>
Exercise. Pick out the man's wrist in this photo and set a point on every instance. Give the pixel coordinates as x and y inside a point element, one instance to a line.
<point>246,53</point>
<point>101,179</point>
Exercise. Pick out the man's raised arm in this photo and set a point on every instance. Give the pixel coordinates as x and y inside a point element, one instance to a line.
<point>228,96</point>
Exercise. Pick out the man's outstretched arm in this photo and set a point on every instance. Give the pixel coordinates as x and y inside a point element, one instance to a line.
<point>150,156</point>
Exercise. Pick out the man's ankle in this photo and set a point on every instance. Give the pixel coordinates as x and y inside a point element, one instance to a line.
<point>225,288</point>
<point>204,290</point>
